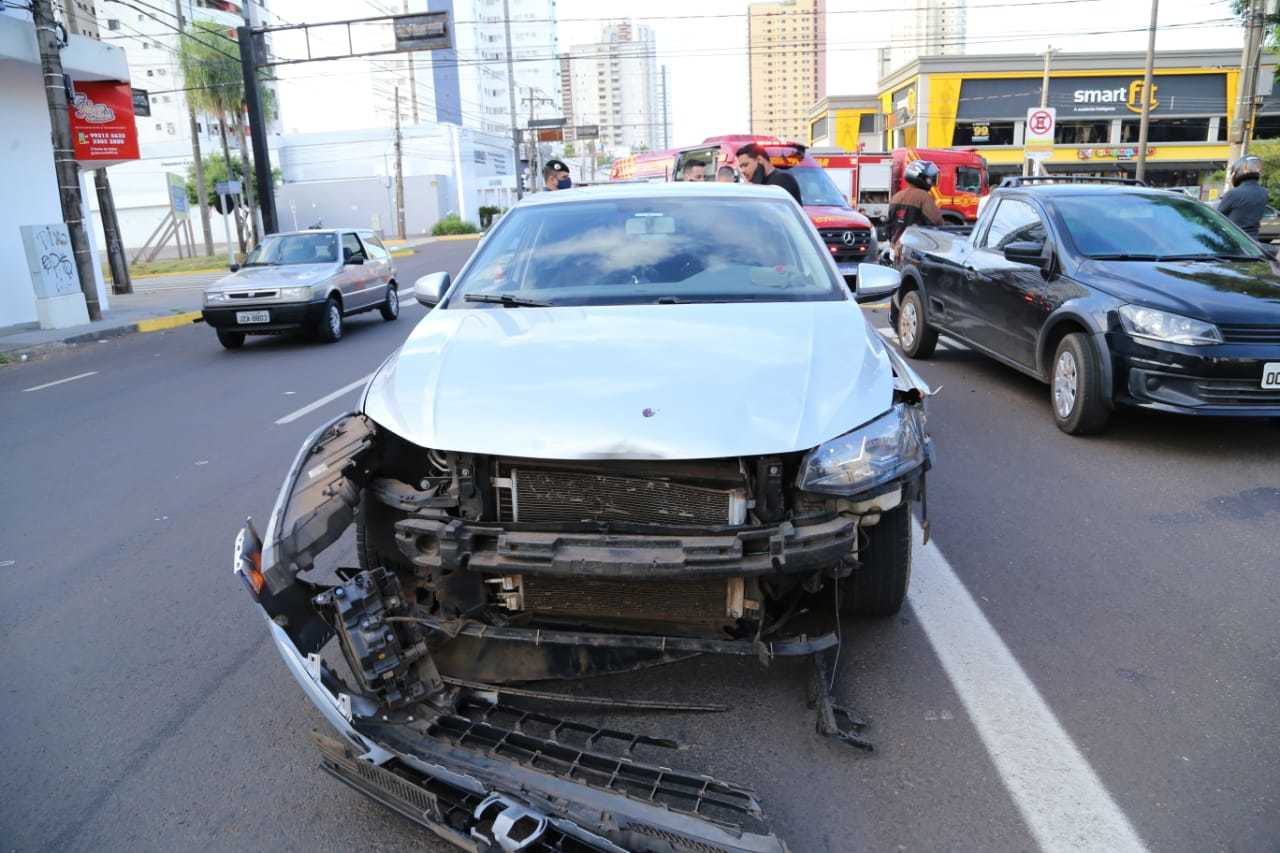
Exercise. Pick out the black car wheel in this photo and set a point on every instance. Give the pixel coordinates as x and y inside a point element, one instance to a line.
<point>391,307</point>
<point>1075,387</point>
<point>330,328</point>
<point>917,338</point>
<point>231,340</point>
<point>878,586</point>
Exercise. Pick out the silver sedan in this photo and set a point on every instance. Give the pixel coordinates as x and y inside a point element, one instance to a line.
<point>307,280</point>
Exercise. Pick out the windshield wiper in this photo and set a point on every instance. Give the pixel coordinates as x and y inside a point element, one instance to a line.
<point>1125,256</point>
<point>506,300</point>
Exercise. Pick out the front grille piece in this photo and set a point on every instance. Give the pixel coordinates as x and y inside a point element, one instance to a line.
<point>669,601</point>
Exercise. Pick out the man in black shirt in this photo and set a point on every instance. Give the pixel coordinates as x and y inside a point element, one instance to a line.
<point>753,160</point>
<point>1246,203</point>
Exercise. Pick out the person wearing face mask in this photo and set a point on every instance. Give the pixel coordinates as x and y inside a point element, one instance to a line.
<point>555,176</point>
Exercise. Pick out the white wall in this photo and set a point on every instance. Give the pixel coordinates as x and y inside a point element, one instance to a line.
<point>30,188</point>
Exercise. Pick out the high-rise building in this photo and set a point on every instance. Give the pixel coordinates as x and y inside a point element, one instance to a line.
<point>927,28</point>
<point>469,81</point>
<point>615,84</point>
<point>787,43</point>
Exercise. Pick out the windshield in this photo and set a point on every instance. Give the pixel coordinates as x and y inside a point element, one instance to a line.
<point>1143,226</point>
<point>629,251</point>
<point>294,249</point>
<point>816,187</point>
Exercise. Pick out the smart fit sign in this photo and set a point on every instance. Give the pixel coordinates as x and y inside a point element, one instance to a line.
<point>1082,97</point>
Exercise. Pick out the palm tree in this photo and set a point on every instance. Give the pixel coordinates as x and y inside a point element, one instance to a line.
<point>210,63</point>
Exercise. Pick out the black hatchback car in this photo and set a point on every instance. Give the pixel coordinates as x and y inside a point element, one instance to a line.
<point>1110,292</point>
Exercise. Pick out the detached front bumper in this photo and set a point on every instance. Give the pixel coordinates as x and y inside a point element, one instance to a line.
<point>1217,381</point>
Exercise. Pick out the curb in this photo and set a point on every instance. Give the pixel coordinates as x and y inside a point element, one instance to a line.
<point>404,253</point>
<point>457,237</point>
<point>147,275</point>
<point>151,324</point>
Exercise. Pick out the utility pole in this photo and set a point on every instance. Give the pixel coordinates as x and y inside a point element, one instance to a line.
<point>1243,118</point>
<point>666,126</point>
<point>257,128</point>
<point>64,160</point>
<point>533,135</point>
<point>1145,123</point>
<point>120,282</point>
<point>413,79</point>
<point>1044,102</point>
<point>511,92</point>
<point>400,173</point>
<point>202,192</point>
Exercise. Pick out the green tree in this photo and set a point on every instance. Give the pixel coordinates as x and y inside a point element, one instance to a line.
<point>569,150</point>
<point>210,63</point>
<point>215,170</point>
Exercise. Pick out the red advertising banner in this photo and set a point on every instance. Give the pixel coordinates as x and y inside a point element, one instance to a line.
<point>102,126</point>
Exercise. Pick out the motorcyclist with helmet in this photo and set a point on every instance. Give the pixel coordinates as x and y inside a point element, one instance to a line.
<point>1246,202</point>
<point>913,204</point>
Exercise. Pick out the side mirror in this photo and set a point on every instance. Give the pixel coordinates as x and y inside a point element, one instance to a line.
<point>876,282</point>
<point>1023,252</point>
<point>430,289</point>
<point>234,267</point>
<point>355,260</point>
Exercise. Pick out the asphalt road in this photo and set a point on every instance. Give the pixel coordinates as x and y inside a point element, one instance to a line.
<point>1114,666</point>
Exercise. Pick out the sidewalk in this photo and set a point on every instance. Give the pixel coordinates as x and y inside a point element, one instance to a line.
<point>159,303</point>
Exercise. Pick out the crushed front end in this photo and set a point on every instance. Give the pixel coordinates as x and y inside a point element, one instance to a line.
<point>478,572</point>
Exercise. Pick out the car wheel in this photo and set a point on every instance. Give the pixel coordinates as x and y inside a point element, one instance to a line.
<point>916,337</point>
<point>391,307</point>
<point>231,340</point>
<point>330,328</point>
<point>878,586</point>
<point>1075,387</point>
<point>375,536</point>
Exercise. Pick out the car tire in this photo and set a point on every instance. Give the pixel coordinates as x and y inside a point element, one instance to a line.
<point>375,536</point>
<point>878,586</point>
<point>391,305</point>
<point>1075,387</point>
<point>329,327</point>
<point>231,340</point>
<point>916,337</point>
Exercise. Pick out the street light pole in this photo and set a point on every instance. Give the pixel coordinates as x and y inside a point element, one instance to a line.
<point>400,173</point>
<point>1145,123</point>
<point>64,158</point>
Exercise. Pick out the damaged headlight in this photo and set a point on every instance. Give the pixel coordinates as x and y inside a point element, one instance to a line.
<point>871,455</point>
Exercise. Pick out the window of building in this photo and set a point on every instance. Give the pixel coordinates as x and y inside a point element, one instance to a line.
<point>1168,130</point>
<point>1082,133</point>
<point>159,126</point>
<point>1264,127</point>
<point>975,133</point>
<point>113,24</point>
<point>170,129</point>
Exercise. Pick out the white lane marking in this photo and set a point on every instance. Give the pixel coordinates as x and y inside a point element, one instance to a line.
<point>323,401</point>
<point>60,381</point>
<point>891,335</point>
<point>1061,798</point>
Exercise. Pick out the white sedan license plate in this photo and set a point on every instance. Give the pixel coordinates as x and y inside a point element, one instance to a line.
<point>253,316</point>
<point>1271,374</point>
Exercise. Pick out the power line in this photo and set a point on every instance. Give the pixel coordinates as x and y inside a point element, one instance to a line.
<point>174,28</point>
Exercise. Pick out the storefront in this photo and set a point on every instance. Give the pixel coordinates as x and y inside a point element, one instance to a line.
<point>846,123</point>
<point>981,102</point>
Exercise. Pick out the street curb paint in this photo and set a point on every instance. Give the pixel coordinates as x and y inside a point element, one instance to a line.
<point>146,275</point>
<point>459,237</point>
<point>404,253</point>
<point>156,324</point>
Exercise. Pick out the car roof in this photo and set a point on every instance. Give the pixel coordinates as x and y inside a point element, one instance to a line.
<point>653,189</point>
<point>1087,189</point>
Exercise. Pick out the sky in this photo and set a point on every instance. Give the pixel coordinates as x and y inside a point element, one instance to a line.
<point>706,55</point>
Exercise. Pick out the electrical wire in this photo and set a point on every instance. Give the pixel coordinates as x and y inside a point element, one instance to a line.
<point>174,28</point>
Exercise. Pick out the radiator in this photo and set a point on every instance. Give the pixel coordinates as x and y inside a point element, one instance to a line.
<point>542,495</point>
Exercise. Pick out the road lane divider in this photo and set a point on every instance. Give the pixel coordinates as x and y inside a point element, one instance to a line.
<point>323,401</point>
<point>60,381</point>
<point>1064,803</point>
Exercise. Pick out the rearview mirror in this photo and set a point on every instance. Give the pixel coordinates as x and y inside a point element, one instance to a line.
<point>1023,252</point>
<point>430,289</point>
<point>876,282</point>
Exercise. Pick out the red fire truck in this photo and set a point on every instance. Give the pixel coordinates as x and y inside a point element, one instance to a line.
<point>868,179</point>
<point>848,234</point>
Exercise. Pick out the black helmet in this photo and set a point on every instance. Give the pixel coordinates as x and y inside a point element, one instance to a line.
<point>921,173</point>
<point>1246,168</point>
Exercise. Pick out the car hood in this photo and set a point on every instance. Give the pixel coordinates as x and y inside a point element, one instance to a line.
<point>295,275</point>
<point>1216,291</point>
<point>835,217</point>
<point>693,381</point>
